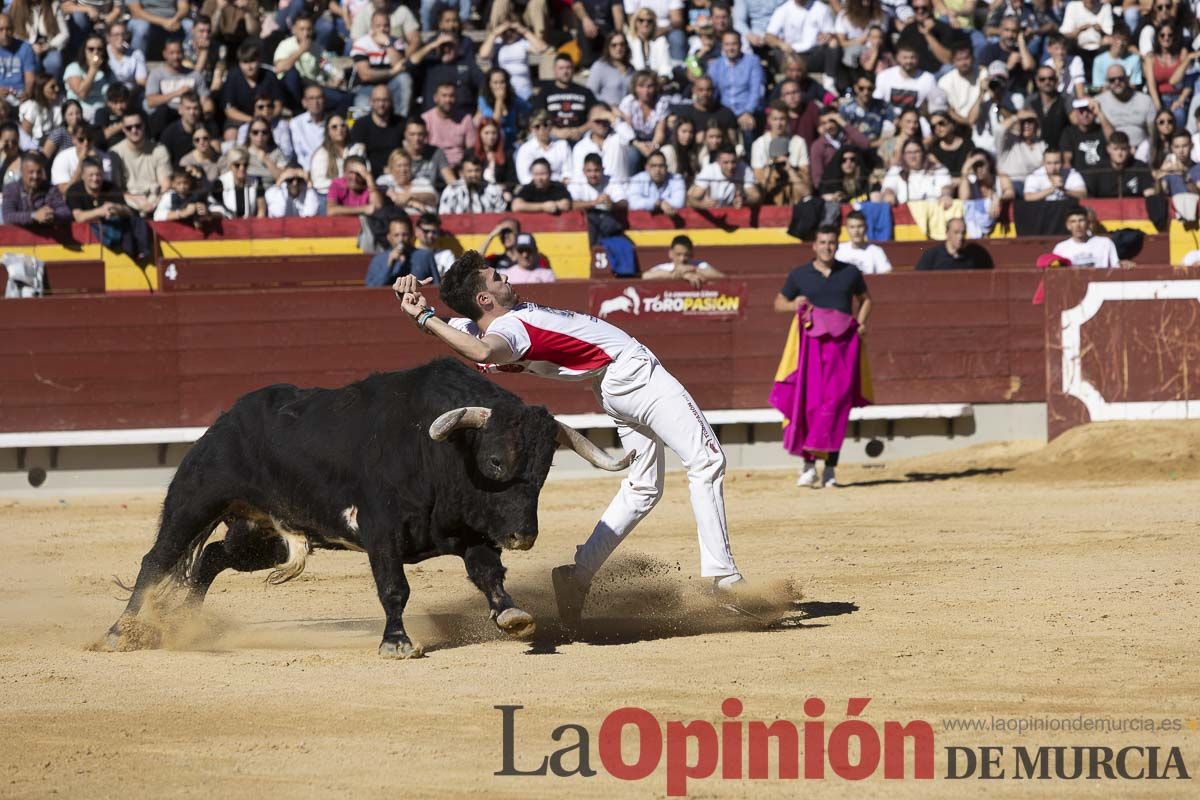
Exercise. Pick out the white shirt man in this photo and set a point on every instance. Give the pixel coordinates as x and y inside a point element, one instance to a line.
<point>1085,250</point>
<point>612,155</point>
<point>869,258</point>
<point>917,184</point>
<point>722,189</point>
<point>307,129</point>
<point>799,26</point>
<point>1039,181</point>
<point>292,197</point>
<point>902,90</point>
<point>558,154</point>
<point>961,85</point>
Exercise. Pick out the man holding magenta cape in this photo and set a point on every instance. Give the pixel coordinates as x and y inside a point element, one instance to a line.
<point>823,372</point>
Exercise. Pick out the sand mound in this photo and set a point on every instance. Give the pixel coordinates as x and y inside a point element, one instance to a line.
<point>1099,451</point>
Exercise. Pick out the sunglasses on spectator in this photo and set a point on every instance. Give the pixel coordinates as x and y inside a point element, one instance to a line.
<point>94,49</point>
<point>862,87</point>
<point>940,123</point>
<point>1166,121</point>
<point>1162,8</point>
<point>537,125</point>
<point>238,165</point>
<point>428,231</point>
<point>1118,79</point>
<point>919,9</point>
<point>337,126</point>
<point>1046,79</point>
<point>204,138</point>
<point>137,126</point>
<point>259,132</point>
<point>295,179</point>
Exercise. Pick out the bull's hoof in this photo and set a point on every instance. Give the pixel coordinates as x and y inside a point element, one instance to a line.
<point>129,635</point>
<point>516,622</point>
<point>400,650</point>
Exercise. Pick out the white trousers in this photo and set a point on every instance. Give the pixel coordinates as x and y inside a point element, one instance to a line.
<point>653,410</point>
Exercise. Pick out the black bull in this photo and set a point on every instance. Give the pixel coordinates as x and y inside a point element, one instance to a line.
<point>404,466</point>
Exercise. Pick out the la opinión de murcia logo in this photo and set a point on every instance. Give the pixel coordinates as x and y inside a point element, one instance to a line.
<point>853,749</point>
<point>734,747</point>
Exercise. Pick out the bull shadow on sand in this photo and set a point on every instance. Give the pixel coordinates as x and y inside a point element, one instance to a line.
<point>928,477</point>
<point>635,599</point>
<point>639,599</point>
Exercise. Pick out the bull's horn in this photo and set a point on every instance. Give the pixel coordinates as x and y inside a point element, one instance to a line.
<point>466,417</point>
<point>569,437</point>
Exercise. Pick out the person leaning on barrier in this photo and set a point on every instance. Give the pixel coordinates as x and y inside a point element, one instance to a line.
<point>682,266</point>
<point>32,200</point>
<point>955,252</point>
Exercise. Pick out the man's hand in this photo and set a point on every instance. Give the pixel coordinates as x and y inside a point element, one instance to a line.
<point>667,208</point>
<point>693,278</point>
<point>409,284</point>
<point>44,214</point>
<point>589,28</point>
<point>413,304</point>
<point>862,329</point>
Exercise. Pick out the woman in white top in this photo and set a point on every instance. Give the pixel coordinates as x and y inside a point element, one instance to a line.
<point>647,51</point>
<point>330,157</point>
<point>39,114</point>
<point>512,43</point>
<point>917,178</point>
<point>539,145</point>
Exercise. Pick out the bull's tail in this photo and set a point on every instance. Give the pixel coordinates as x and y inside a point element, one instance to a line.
<point>297,555</point>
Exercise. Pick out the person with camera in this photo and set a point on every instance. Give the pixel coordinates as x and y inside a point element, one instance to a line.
<point>780,161</point>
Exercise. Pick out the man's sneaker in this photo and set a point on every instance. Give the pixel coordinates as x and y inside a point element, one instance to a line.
<point>569,592</point>
<point>808,477</point>
<point>728,587</point>
<point>829,478</point>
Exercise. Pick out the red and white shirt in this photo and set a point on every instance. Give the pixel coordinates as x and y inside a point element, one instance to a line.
<point>552,342</point>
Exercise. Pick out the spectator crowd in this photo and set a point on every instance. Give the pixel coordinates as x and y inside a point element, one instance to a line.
<point>113,112</point>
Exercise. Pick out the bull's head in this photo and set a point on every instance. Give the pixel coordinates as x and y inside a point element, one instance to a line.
<point>512,448</point>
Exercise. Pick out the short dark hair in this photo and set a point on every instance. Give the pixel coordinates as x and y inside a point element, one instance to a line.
<point>1078,211</point>
<point>593,158</point>
<point>564,57</point>
<point>429,218</point>
<point>35,157</point>
<point>403,219</point>
<point>726,149</point>
<point>834,229</point>
<point>445,84</point>
<point>249,50</point>
<point>203,19</point>
<point>1119,138</point>
<point>462,282</point>
<point>90,162</point>
<point>190,95</point>
<point>541,161</point>
<point>117,91</point>
<point>857,215</point>
<point>682,240</point>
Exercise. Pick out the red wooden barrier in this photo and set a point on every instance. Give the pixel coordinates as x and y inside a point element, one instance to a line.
<point>179,359</point>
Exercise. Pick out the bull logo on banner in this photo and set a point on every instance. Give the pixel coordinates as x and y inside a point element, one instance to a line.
<point>723,300</point>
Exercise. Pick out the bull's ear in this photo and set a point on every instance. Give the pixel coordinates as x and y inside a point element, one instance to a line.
<point>465,417</point>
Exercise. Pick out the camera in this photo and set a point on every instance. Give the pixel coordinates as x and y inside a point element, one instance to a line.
<point>995,84</point>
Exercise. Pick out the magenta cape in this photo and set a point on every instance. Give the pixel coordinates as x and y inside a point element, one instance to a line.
<point>822,375</point>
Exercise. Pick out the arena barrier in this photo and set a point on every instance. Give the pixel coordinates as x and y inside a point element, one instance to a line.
<point>1122,345</point>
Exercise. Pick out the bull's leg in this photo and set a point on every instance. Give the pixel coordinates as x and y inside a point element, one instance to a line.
<point>392,586</point>
<point>183,522</point>
<point>245,548</point>
<point>487,573</point>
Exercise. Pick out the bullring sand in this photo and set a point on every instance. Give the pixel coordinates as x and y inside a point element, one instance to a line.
<point>1009,580</point>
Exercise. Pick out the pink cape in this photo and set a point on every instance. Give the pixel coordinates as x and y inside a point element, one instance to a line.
<point>822,376</point>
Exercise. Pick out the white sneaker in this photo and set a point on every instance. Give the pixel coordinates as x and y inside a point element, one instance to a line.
<point>728,586</point>
<point>808,477</point>
<point>829,478</point>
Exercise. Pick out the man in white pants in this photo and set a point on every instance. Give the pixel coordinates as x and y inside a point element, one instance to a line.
<point>651,409</point>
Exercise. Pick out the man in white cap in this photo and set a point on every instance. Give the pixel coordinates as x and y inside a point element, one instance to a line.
<point>526,268</point>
